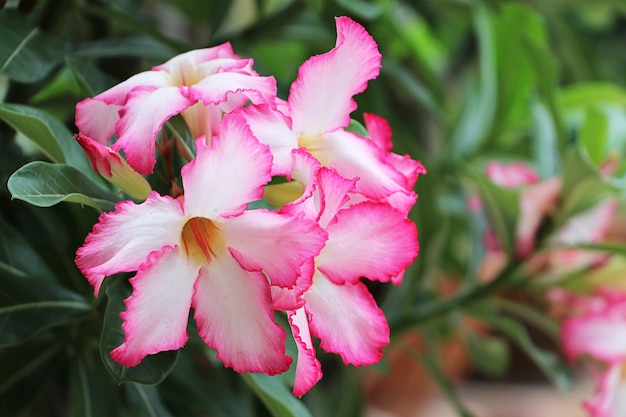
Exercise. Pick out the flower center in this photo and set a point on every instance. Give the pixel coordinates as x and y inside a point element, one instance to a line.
<point>201,240</point>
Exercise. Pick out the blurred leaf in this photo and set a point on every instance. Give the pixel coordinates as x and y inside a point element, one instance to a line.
<point>26,54</point>
<point>488,354</point>
<point>91,80</point>
<point>591,94</point>
<point>17,252</point>
<point>153,368</point>
<point>24,371</point>
<point>29,305</point>
<point>481,98</point>
<point>502,209</point>
<point>545,141</point>
<point>137,46</point>
<point>145,401</point>
<point>593,135</point>
<point>44,184</point>
<point>48,134</point>
<point>548,362</point>
<point>367,10</point>
<point>274,394</point>
<point>91,389</point>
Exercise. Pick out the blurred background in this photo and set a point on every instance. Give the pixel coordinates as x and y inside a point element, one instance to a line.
<point>463,83</point>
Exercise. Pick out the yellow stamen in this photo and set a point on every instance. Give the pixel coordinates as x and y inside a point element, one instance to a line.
<point>201,240</point>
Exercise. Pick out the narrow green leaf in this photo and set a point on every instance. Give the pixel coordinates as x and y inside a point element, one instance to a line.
<point>26,54</point>
<point>127,47</point>
<point>48,134</point>
<point>44,184</point>
<point>154,368</point>
<point>30,305</point>
<point>548,362</point>
<point>92,392</point>
<point>586,94</point>
<point>90,78</point>
<point>145,401</point>
<point>594,135</point>
<point>274,394</point>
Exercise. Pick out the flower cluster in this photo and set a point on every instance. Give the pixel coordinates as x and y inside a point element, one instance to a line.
<point>538,200</point>
<point>340,217</point>
<point>595,328</point>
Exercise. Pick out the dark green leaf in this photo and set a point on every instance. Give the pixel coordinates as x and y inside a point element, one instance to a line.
<point>24,371</point>
<point>367,10</point>
<point>29,305</point>
<point>274,394</point>
<point>48,134</point>
<point>154,368</point>
<point>26,54</point>
<point>92,391</point>
<point>44,184</point>
<point>127,47</point>
<point>90,78</point>
<point>145,401</point>
<point>548,362</point>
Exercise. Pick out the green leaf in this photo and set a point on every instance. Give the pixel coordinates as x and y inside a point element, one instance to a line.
<point>17,252</point>
<point>594,135</point>
<point>548,362</point>
<point>24,371</point>
<point>92,392</point>
<point>90,78</point>
<point>29,305</point>
<point>502,210</point>
<point>274,394</point>
<point>26,54</point>
<point>489,354</point>
<point>145,401</point>
<point>586,94</point>
<point>138,46</point>
<point>44,184</point>
<point>48,134</point>
<point>366,10</point>
<point>154,368</point>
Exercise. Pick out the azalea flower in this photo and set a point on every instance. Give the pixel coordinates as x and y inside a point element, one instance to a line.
<point>367,239</point>
<point>596,328</point>
<point>201,85</point>
<point>207,252</point>
<point>318,111</point>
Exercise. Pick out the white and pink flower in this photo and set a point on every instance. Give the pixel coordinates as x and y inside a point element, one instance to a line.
<point>368,239</point>
<point>207,252</point>
<point>201,85</point>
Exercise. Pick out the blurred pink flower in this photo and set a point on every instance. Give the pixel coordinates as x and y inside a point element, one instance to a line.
<point>596,328</point>
<point>207,252</point>
<point>201,85</point>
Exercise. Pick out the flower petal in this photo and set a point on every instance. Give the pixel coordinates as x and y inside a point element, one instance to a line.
<point>321,96</point>
<point>602,336</point>
<point>353,156</point>
<point>287,299</point>
<point>347,320</point>
<point>511,175</point>
<point>226,176</point>
<point>369,240</point>
<point>123,239</point>
<point>273,128</point>
<point>97,119</point>
<point>308,368</point>
<point>217,88</point>
<point>197,57</point>
<point>234,316</point>
<point>142,117</point>
<point>276,243</point>
<point>156,313</point>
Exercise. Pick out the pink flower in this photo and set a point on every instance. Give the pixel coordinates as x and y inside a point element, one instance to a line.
<point>368,239</point>
<point>597,329</point>
<point>318,111</point>
<point>201,85</point>
<point>207,252</point>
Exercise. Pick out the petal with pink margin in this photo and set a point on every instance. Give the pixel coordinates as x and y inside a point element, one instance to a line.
<point>609,398</point>
<point>273,128</point>
<point>276,243</point>
<point>511,175</point>
<point>122,240</point>
<point>321,96</point>
<point>225,176</point>
<point>216,88</point>
<point>97,119</point>
<point>347,320</point>
<point>287,299</point>
<point>370,240</point>
<point>234,316</point>
<point>308,368</point>
<point>157,311</point>
<point>142,118</point>
<point>602,336</point>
